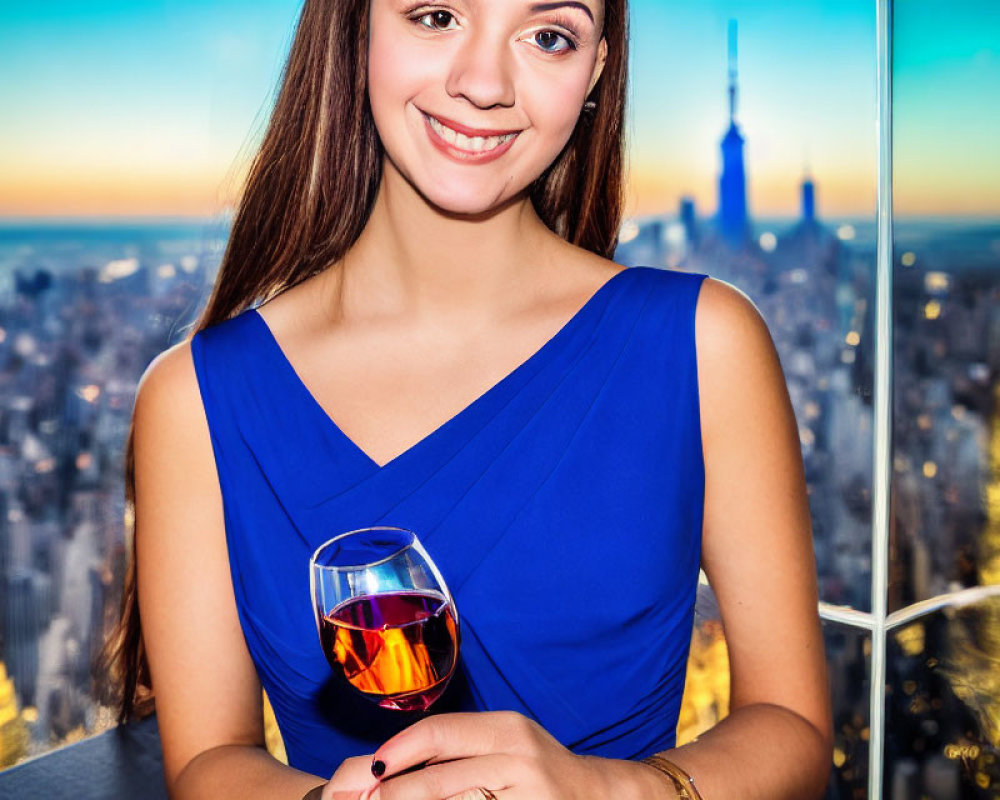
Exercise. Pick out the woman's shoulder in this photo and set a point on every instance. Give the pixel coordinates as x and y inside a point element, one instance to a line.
<point>728,325</point>
<point>171,372</point>
<point>740,378</point>
<point>168,397</point>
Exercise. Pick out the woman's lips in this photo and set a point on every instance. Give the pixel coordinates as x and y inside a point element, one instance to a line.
<point>449,137</point>
<point>470,132</point>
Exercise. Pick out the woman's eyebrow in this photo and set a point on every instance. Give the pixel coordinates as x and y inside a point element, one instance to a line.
<point>563,4</point>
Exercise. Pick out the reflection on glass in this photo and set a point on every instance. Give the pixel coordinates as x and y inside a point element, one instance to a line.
<point>782,209</point>
<point>946,450</point>
<point>943,705</point>
<point>848,655</point>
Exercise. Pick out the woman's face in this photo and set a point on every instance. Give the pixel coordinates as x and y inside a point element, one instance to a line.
<point>474,99</point>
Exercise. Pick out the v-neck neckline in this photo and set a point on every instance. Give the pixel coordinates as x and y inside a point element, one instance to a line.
<point>464,412</point>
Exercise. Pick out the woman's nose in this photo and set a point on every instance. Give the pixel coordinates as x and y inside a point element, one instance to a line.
<point>481,72</point>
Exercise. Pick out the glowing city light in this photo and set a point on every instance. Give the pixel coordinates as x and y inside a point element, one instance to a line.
<point>675,234</point>
<point>807,437</point>
<point>768,242</point>
<point>45,465</point>
<point>189,263</point>
<point>628,232</point>
<point>846,233</point>
<point>84,461</point>
<point>25,345</point>
<point>908,259</point>
<point>930,469</point>
<point>89,393</point>
<point>960,751</point>
<point>166,271</point>
<point>853,338</point>
<point>937,281</point>
<point>980,373</point>
<point>3,336</point>
<point>117,269</point>
<point>932,310</point>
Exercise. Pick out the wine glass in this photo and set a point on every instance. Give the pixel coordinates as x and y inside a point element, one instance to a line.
<point>387,623</point>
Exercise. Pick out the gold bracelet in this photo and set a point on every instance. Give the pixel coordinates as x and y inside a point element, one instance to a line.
<point>683,783</point>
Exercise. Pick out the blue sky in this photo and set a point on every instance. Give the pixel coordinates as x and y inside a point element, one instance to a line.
<point>151,106</point>
<point>807,97</point>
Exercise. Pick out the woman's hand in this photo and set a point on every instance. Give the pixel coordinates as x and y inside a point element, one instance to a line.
<point>351,781</point>
<point>507,754</point>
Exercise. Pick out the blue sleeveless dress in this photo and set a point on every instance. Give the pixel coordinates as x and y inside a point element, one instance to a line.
<point>563,507</point>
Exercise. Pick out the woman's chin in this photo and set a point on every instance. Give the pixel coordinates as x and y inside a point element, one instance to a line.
<point>465,203</point>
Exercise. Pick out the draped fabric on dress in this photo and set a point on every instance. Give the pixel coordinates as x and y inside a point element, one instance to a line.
<point>563,507</point>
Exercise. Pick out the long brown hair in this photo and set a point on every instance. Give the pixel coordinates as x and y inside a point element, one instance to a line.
<point>307,197</point>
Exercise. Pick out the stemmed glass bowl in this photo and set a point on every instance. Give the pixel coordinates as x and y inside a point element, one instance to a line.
<point>387,622</point>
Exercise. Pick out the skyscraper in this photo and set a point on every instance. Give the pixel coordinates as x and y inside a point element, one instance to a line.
<point>808,200</point>
<point>733,223</point>
<point>689,219</point>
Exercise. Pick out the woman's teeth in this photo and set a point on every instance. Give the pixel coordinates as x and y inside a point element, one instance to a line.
<point>474,144</point>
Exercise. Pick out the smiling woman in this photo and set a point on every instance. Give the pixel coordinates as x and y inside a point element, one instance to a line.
<point>477,83</point>
<point>416,325</point>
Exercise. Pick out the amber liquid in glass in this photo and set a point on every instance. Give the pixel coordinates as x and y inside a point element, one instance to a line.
<point>398,648</point>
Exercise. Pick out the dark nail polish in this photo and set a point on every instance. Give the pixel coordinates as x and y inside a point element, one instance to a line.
<point>378,768</point>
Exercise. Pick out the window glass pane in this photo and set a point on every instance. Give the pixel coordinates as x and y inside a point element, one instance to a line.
<point>943,705</point>
<point>754,160</point>
<point>848,654</point>
<point>946,455</point>
<point>143,112</point>
<point>84,309</point>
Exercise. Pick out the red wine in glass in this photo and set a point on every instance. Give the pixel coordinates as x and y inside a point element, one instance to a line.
<point>398,648</point>
<point>387,623</point>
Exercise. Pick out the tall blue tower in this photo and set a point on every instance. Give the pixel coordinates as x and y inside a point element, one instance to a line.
<point>733,222</point>
<point>808,200</point>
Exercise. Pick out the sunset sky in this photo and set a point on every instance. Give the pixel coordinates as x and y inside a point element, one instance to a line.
<point>150,108</point>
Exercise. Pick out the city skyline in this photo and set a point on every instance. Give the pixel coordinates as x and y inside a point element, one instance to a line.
<point>165,104</point>
<point>85,306</point>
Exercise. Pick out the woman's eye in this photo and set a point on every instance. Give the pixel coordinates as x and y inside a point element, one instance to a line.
<point>552,42</point>
<point>436,20</point>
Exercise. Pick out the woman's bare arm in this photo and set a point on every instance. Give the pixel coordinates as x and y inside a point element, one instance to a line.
<point>757,552</point>
<point>208,697</point>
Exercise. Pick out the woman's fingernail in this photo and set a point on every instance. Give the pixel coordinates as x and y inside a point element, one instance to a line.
<point>378,768</point>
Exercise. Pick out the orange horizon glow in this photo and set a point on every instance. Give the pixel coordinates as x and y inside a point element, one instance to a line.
<point>653,190</point>
<point>205,195</point>
<point>100,193</point>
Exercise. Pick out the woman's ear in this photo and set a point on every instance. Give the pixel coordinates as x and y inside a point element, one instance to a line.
<point>602,57</point>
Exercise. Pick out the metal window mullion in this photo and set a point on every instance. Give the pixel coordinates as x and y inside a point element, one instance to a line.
<point>882,429</point>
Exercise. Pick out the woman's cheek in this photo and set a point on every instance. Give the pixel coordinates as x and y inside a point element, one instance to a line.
<point>555,109</point>
<point>387,65</point>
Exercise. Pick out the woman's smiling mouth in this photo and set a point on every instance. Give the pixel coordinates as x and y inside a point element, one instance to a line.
<point>468,144</point>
